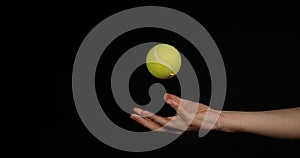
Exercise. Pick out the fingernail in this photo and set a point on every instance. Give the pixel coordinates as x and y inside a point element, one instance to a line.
<point>169,101</point>
<point>132,117</point>
<point>165,96</point>
<point>137,110</point>
<point>146,113</point>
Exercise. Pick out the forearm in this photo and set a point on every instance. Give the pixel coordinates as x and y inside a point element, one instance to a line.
<point>276,123</point>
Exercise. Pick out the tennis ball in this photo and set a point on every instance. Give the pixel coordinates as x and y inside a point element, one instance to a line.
<point>163,61</point>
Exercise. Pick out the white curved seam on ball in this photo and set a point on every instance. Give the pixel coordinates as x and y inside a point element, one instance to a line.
<point>161,61</point>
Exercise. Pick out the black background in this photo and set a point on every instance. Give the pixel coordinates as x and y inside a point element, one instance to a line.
<point>259,45</point>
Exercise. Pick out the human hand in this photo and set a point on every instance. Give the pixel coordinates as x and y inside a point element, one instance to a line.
<point>190,117</point>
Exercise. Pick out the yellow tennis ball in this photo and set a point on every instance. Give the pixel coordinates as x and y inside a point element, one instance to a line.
<point>163,61</point>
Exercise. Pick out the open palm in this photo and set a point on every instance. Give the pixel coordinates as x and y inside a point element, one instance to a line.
<point>190,116</point>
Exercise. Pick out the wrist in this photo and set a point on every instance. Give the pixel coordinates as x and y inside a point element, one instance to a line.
<point>227,122</point>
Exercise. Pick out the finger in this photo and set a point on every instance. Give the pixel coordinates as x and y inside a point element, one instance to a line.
<point>187,104</point>
<point>185,115</point>
<point>170,117</point>
<point>146,114</point>
<point>138,110</point>
<point>158,119</point>
<point>177,107</point>
<point>154,122</point>
<point>152,125</point>
<point>147,123</point>
<point>168,96</point>
<point>177,123</point>
<point>173,104</point>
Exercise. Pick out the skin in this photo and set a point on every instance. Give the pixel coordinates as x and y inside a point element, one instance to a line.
<point>283,123</point>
